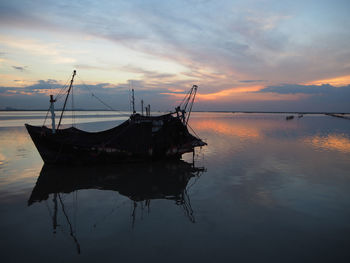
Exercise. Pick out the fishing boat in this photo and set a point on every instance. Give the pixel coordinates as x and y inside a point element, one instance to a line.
<point>141,137</point>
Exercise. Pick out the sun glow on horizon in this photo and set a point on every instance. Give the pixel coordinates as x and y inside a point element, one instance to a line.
<point>337,81</point>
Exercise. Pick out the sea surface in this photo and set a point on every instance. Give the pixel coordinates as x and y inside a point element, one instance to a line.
<point>264,190</point>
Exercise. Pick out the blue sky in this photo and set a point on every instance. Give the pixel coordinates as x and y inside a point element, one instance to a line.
<point>244,55</point>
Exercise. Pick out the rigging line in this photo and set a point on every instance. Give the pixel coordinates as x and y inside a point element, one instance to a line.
<point>65,101</point>
<point>189,97</point>
<point>48,209</point>
<point>93,95</point>
<point>47,113</point>
<point>60,93</point>
<point>191,103</point>
<point>70,225</point>
<point>110,213</point>
<point>75,202</point>
<point>193,131</point>
<point>194,182</point>
<point>183,100</point>
<point>187,204</point>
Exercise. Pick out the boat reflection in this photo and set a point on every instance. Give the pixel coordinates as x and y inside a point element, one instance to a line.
<point>140,182</point>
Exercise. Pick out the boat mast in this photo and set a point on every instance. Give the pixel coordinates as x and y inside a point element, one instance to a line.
<point>142,107</point>
<point>187,102</point>
<point>194,87</point>
<point>65,101</point>
<point>52,109</point>
<point>133,102</point>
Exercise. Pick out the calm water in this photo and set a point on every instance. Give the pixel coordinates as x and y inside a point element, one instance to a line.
<point>263,190</point>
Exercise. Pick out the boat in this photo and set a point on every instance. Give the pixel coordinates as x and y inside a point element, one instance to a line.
<point>141,137</point>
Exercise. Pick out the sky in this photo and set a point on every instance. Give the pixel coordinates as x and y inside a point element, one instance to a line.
<point>260,55</point>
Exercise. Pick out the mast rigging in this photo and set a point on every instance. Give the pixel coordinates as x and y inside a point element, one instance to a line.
<point>65,101</point>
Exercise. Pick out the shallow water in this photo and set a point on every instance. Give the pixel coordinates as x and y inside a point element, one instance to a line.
<point>265,189</point>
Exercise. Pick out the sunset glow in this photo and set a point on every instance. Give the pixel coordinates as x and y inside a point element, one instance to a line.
<point>243,55</point>
<point>338,81</point>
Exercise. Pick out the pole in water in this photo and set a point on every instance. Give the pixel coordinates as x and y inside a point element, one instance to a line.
<point>52,109</point>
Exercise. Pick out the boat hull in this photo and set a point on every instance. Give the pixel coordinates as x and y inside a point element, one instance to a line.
<point>139,138</point>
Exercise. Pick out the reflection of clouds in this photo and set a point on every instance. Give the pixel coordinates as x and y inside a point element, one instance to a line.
<point>2,158</point>
<point>11,140</point>
<point>236,125</point>
<point>226,128</point>
<point>16,157</point>
<point>332,142</point>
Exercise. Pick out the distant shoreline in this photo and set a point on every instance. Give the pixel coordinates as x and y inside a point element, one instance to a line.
<point>214,111</point>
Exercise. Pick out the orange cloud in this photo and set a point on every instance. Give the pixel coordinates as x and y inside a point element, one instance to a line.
<point>338,81</point>
<point>228,92</point>
<point>175,90</point>
<point>243,93</point>
<point>12,80</point>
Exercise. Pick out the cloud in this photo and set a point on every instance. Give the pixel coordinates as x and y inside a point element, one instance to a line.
<point>313,97</point>
<point>252,81</point>
<point>89,67</point>
<point>35,96</point>
<point>221,47</point>
<point>50,50</point>
<point>231,38</point>
<point>27,15</point>
<point>324,89</point>
<point>19,68</point>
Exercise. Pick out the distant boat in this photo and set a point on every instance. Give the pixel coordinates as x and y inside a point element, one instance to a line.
<point>140,137</point>
<point>290,117</point>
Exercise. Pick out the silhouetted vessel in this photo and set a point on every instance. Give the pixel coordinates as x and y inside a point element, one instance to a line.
<point>139,138</point>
